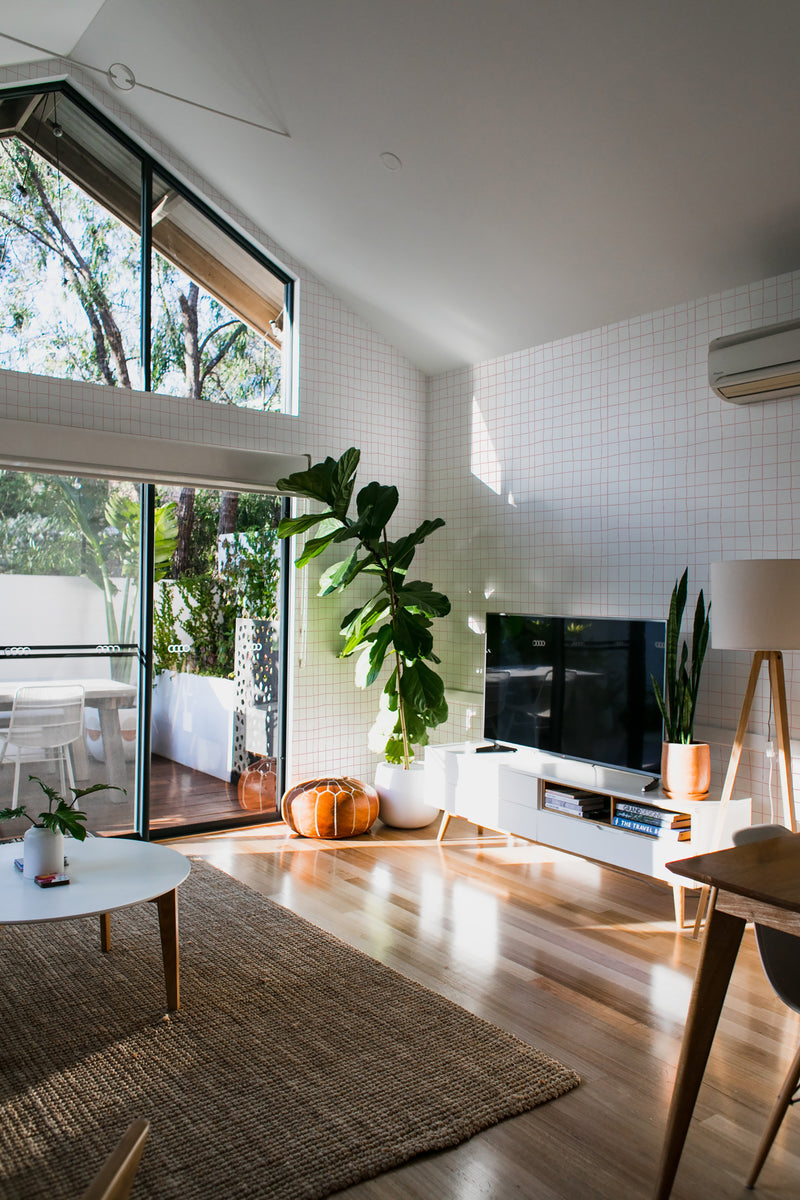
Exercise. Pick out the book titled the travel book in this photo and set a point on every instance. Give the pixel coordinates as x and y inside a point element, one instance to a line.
<point>663,818</point>
<point>654,822</point>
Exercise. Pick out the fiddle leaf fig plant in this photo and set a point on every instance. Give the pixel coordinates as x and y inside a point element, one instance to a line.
<point>682,684</point>
<point>395,622</point>
<point>61,816</point>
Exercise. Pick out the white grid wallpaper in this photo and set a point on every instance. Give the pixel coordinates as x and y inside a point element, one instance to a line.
<point>582,476</point>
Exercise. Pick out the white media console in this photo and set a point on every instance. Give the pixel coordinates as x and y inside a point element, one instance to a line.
<point>504,791</point>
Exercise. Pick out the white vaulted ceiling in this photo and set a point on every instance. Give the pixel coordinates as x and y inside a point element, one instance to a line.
<point>565,163</point>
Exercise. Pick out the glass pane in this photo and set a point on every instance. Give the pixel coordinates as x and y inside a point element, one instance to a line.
<point>69,599</point>
<point>215,649</point>
<point>70,245</point>
<point>217,313</point>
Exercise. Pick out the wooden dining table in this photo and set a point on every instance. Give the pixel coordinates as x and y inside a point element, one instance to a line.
<point>107,696</point>
<point>758,881</point>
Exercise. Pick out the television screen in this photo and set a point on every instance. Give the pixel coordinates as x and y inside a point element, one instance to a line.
<point>576,686</point>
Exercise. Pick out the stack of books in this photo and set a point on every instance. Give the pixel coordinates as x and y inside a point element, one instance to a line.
<point>577,802</point>
<point>655,822</point>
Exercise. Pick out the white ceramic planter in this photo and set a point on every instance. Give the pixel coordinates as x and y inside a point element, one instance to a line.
<point>402,796</point>
<point>42,852</point>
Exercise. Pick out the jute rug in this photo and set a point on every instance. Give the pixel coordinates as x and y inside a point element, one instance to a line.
<point>296,1066</point>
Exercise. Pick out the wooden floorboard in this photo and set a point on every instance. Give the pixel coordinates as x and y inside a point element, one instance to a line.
<point>581,961</point>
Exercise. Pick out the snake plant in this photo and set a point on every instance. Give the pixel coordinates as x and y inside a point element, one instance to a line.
<point>682,675</point>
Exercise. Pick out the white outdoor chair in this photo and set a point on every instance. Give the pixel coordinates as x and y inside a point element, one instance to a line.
<point>45,720</point>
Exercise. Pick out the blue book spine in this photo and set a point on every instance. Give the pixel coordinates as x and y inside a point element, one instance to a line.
<point>637,826</point>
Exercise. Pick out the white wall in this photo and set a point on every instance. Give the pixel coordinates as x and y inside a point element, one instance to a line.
<point>582,476</point>
<point>52,610</point>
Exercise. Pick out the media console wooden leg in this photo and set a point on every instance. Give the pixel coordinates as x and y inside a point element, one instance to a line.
<point>723,936</point>
<point>679,901</point>
<point>443,827</point>
<point>168,926</point>
<point>105,932</point>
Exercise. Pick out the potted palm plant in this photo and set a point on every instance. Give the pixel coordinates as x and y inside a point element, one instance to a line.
<point>43,843</point>
<point>685,764</point>
<point>393,626</point>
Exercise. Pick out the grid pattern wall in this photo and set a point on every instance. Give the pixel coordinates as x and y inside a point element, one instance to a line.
<point>354,390</point>
<point>582,476</point>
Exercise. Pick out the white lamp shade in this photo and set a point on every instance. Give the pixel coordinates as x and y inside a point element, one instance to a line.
<point>756,604</point>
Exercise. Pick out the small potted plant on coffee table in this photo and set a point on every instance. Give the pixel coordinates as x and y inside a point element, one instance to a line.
<point>43,843</point>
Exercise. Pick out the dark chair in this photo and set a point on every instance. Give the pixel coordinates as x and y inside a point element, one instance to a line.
<point>780,958</point>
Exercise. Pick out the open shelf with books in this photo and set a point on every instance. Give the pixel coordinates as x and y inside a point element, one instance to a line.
<point>599,813</point>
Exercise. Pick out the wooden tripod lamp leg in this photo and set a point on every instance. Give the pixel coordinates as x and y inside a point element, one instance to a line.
<point>733,768</point>
<point>777,681</point>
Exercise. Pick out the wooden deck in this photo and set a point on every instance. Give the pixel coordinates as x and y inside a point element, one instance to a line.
<point>181,796</point>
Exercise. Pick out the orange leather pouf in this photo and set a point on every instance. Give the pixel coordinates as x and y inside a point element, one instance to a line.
<point>257,788</point>
<point>330,808</point>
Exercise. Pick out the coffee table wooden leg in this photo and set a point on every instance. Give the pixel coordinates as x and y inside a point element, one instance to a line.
<point>105,932</point>
<point>168,925</point>
<point>723,937</point>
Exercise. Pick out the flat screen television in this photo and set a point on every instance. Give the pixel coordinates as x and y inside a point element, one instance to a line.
<point>576,686</point>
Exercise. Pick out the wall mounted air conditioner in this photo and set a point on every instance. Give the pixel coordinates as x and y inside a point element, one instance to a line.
<point>759,364</point>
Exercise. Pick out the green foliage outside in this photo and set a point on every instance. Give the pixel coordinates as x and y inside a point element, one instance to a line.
<point>200,609</point>
<point>395,622</point>
<point>71,293</point>
<point>70,308</point>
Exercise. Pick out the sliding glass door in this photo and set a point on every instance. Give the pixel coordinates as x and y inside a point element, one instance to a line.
<point>215,741</point>
<point>69,627</point>
<point>161,611</point>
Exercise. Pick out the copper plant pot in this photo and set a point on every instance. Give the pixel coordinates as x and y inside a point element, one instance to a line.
<point>685,770</point>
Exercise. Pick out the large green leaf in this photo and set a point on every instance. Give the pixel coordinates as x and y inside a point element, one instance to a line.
<point>357,628</point>
<point>165,538</point>
<point>377,653</point>
<point>423,690</point>
<point>313,548</point>
<point>421,597</point>
<point>375,504</point>
<point>338,575</point>
<point>65,820</point>
<point>317,483</point>
<point>290,526</point>
<point>412,635</point>
<point>401,552</point>
<point>343,481</point>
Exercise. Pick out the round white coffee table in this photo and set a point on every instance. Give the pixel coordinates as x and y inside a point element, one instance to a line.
<point>105,874</point>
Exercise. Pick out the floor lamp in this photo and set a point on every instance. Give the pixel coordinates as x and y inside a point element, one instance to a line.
<point>756,606</point>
